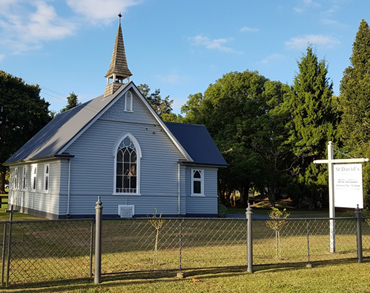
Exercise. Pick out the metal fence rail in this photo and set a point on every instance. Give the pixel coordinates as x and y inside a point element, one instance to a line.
<point>39,251</point>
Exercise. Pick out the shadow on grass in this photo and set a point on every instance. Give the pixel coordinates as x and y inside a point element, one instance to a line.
<point>111,281</point>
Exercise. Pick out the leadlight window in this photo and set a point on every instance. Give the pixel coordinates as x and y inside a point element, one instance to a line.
<point>197,182</point>
<point>126,167</point>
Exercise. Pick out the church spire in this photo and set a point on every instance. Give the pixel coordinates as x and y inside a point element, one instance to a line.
<point>118,69</point>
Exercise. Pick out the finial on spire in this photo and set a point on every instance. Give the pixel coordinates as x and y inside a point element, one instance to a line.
<point>120,15</point>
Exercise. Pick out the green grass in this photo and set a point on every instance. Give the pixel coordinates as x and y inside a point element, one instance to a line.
<point>4,216</point>
<point>335,277</point>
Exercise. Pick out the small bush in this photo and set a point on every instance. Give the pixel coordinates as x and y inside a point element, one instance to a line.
<point>222,211</point>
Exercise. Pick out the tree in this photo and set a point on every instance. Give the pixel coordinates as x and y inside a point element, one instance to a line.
<point>237,111</point>
<point>163,107</point>
<point>314,123</point>
<point>22,114</point>
<point>355,101</point>
<point>72,102</point>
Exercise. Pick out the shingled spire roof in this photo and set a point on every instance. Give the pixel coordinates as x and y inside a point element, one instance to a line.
<point>118,69</point>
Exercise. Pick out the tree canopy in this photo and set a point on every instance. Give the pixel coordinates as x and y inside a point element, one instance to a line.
<point>22,114</point>
<point>72,100</point>
<point>243,113</point>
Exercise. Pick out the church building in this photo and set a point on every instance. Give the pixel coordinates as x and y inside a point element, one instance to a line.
<point>116,146</point>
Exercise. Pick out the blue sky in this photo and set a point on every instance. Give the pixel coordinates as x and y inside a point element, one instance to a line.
<point>179,47</point>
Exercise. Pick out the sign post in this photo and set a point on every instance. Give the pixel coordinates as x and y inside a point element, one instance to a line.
<point>331,161</point>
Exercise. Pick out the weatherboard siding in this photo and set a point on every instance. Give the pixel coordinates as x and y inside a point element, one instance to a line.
<point>47,202</point>
<point>206,204</point>
<point>92,168</point>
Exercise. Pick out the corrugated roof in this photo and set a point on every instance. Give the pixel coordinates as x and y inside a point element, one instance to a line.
<point>197,142</point>
<point>59,132</point>
<point>51,139</point>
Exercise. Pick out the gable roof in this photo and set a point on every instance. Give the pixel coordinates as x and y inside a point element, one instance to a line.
<point>193,141</point>
<point>198,143</point>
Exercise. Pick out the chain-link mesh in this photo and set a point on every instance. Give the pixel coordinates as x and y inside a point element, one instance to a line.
<point>131,245</point>
<point>303,240</point>
<point>49,250</point>
<point>54,250</point>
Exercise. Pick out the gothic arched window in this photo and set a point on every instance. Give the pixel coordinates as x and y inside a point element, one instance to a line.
<point>127,166</point>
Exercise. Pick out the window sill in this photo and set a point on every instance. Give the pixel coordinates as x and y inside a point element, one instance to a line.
<point>127,194</point>
<point>197,195</point>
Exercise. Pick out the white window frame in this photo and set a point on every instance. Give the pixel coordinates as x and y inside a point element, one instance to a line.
<point>128,102</point>
<point>201,180</point>
<point>34,178</point>
<point>15,181</point>
<point>138,163</point>
<point>24,178</point>
<point>46,177</point>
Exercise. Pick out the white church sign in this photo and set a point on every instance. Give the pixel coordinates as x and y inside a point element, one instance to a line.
<point>345,185</point>
<point>348,186</point>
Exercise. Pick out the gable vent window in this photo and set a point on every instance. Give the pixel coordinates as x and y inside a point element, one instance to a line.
<point>128,102</point>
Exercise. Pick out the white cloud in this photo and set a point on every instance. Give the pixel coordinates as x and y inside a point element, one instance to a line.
<point>302,42</point>
<point>2,56</point>
<point>249,29</point>
<point>100,10</point>
<point>215,44</point>
<point>25,27</point>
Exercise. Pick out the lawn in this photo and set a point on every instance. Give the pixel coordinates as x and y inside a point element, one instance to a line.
<point>4,215</point>
<point>334,277</point>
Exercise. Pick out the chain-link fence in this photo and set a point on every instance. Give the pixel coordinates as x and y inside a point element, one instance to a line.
<point>40,251</point>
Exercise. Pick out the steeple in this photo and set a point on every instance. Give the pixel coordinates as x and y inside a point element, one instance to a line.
<point>118,69</point>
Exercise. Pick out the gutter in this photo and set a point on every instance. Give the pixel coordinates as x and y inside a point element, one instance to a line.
<point>40,159</point>
<point>189,163</point>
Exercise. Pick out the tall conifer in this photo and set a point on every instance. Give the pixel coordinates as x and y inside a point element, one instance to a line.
<point>313,124</point>
<point>355,93</point>
<point>355,103</point>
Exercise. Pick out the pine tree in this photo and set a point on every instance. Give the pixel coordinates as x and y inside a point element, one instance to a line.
<point>355,92</point>
<point>355,103</point>
<point>72,102</point>
<point>313,124</point>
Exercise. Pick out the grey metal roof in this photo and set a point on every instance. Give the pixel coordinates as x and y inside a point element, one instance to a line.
<point>198,143</point>
<point>51,139</point>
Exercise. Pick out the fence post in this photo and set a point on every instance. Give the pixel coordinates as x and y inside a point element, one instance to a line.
<point>249,239</point>
<point>98,224</point>
<point>3,254</point>
<point>359,234</point>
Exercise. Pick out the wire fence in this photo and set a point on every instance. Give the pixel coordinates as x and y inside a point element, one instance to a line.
<point>43,251</point>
